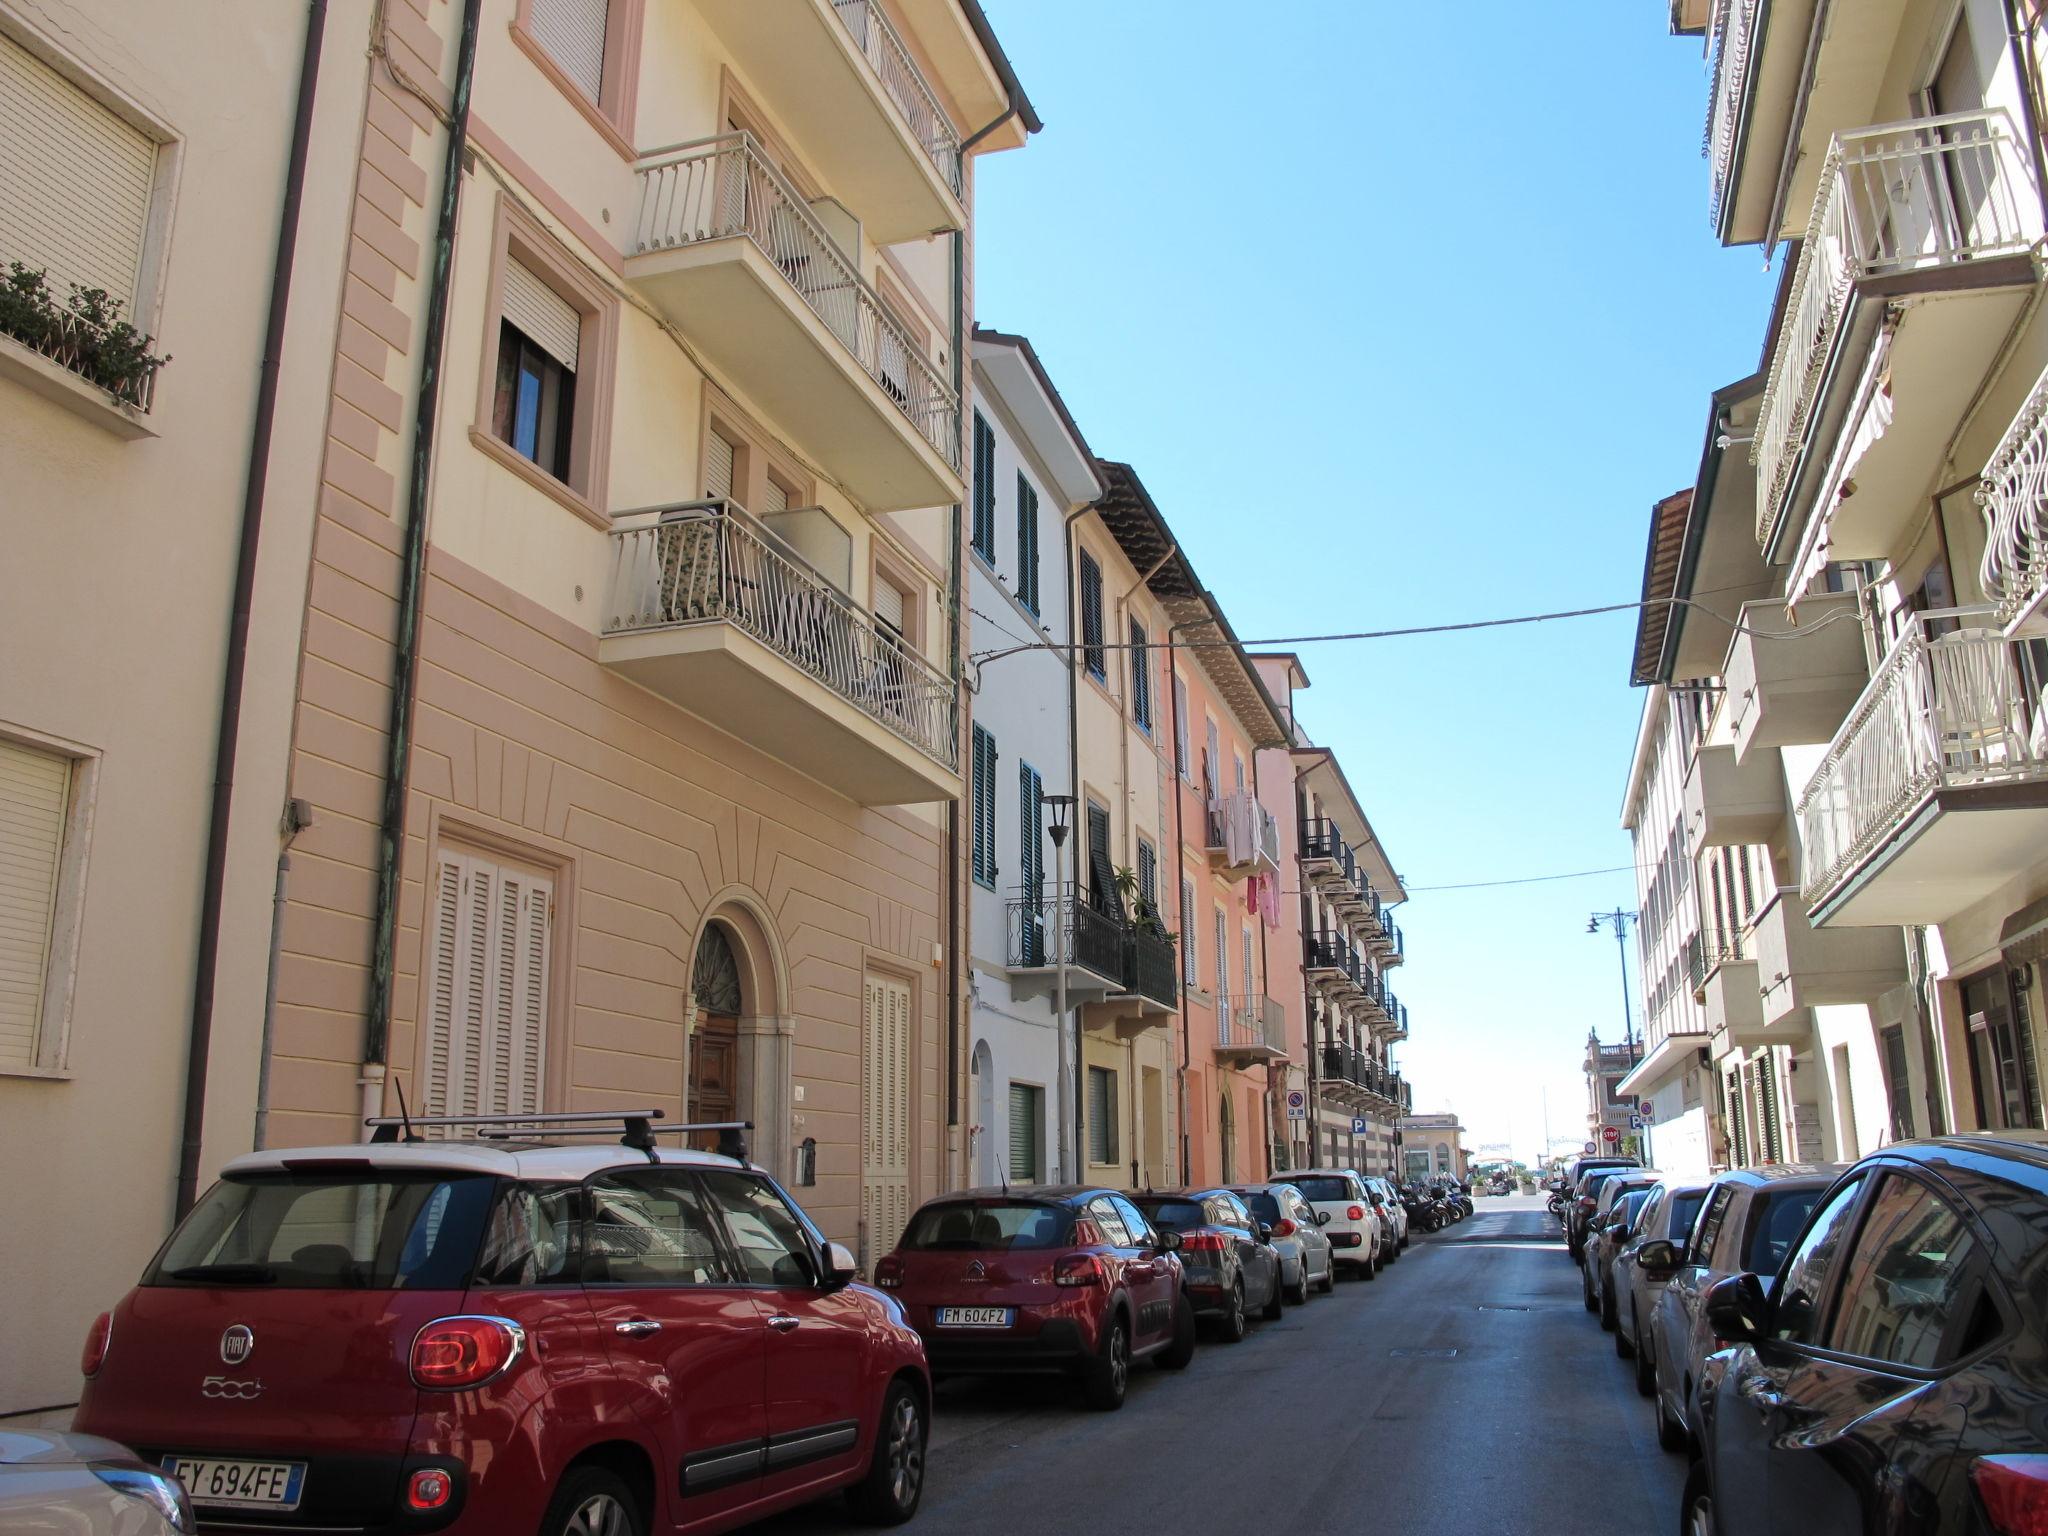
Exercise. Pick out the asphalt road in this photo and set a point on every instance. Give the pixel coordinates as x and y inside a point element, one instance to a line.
<point>1464,1391</point>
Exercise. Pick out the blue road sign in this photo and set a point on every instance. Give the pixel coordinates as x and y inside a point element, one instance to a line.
<point>1358,1125</point>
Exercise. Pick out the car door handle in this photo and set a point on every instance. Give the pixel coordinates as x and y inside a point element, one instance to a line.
<point>1762,1396</point>
<point>637,1327</point>
<point>782,1322</point>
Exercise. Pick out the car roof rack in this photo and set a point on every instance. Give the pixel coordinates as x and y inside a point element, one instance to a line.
<point>635,1127</point>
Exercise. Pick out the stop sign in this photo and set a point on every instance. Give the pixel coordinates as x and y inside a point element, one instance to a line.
<point>1610,1134</point>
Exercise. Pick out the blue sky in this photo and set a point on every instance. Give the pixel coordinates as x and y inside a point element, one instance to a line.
<point>1405,314</point>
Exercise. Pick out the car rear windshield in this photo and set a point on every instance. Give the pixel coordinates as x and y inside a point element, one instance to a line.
<point>1177,1215</point>
<point>1265,1207</point>
<point>1778,1216</point>
<point>963,1227</point>
<point>1323,1187</point>
<point>372,1230</point>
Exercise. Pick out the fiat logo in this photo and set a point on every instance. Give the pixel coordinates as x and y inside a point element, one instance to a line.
<point>236,1344</point>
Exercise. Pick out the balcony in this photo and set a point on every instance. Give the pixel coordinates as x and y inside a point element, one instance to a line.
<point>1800,966</point>
<point>1095,949</point>
<point>1150,993</point>
<point>1790,683</point>
<point>727,250</point>
<point>1397,1016</point>
<point>1393,947</point>
<point>843,82</point>
<point>1250,1028</point>
<point>2014,497</point>
<point>1934,792</point>
<point>1324,857</point>
<point>1729,804</point>
<point>1244,837</point>
<point>710,611</point>
<point>1757,54</point>
<point>1331,965</point>
<point>1914,266</point>
<point>1343,1075</point>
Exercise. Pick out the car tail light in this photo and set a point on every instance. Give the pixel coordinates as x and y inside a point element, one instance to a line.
<point>1356,1213</point>
<point>455,1352</point>
<point>889,1271</point>
<point>1286,1228</point>
<point>2015,1493</point>
<point>97,1338</point>
<point>429,1488</point>
<point>1077,1269</point>
<point>1203,1242</point>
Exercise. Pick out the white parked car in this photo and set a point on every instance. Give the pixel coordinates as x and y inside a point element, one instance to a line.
<point>1356,1237</point>
<point>81,1485</point>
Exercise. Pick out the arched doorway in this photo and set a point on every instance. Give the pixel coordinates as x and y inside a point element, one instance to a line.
<point>714,1075</point>
<point>983,1068</point>
<point>1228,1127</point>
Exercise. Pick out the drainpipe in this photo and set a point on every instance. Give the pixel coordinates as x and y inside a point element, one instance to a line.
<point>1179,853</point>
<point>954,931</point>
<point>199,1042</point>
<point>405,669</point>
<point>298,816</point>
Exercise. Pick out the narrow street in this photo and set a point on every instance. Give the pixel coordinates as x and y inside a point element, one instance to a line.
<point>1464,1390</point>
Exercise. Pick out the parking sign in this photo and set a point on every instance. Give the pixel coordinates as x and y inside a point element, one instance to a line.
<point>1358,1125</point>
<point>1297,1104</point>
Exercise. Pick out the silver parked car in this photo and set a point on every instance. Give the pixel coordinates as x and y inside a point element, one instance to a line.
<point>1667,1216</point>
<point>1603,1246</point>
<point>58,1484</point>
<point>1305,1254</point>
<point>1393,1213</point>
<point>1606,1207</point>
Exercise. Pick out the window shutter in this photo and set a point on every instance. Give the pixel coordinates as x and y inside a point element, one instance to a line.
<point>1141,677</point>
<point>1212,763</point>
<point>1222,957</point>
<point>889,603</point>
<point>1246,974</point>
<point>542,315</point>
<point>1027,544</point>
<point>1148,877</point>
<point>984,807</point>
<point>1190,970</point>
<point>1101,1115</point>
<point>572,32</point>
<point>984,488</point>
<point>775,499</point>
<point>1024,1101</point>
<point>1180,723</point>
<point>487,989</point>
<point>718,457</point>
<point>445,984</point>
<point>35,790</point>
<point>1091,614</point>
<point>75,199</point>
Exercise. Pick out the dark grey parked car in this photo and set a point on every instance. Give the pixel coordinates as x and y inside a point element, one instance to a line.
<point>1748,1223</point>
<point>1305,1254</point>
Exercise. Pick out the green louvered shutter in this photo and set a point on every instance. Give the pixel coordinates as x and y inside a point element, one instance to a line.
<point>1027,543</point>
<point>1091,616</point>
<point>984,489</point>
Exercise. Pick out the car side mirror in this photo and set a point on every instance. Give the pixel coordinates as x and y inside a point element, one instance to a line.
<point>1737,1309</point>
<point>1166,1241</point>
<point>840,1266</point>
<point>1658,1258</point>
<point>1322,1218</point>
<point>1617,1229</point>
<point>1265,1232</point>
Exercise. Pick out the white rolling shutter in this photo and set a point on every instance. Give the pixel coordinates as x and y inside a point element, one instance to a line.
<point>35,789</point>
<point>885,1142</point>
<point>486,989</point>
<point>572,31</point>
<point>773,499</point>
<point>889,604</point>
<point>542,315</point>
<point>718,457</point>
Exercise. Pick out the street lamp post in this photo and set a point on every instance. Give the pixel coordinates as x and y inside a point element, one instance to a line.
<point>1620,920</point>
<point>1060,806</point>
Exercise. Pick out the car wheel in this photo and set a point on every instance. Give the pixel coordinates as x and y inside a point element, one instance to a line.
<point>1299,1295</point>
<point>1670,1433</point>
<point>1696,1505</point>
<point>1586,1288</point>
<point>1275,1301</point>
<point>1371,1270</point>
<point>1608,1320</point>
<point>888,1495</point>
<point>1329,1281</point>
<point>1646,1363</point>
<point>1622,1346</point>
<point>1234,1326</point>
<point>1175,1356</point>
<point>1109,1374</point>
<point>593,1502</point>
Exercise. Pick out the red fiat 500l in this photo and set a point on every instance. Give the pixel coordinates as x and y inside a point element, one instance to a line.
<point>495,1338</point>
<point>1068,1279</point>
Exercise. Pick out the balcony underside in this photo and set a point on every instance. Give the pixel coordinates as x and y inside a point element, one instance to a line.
<point>1767,112</point>
<point>1951,322</point>
<point>1084,984</point>
<point>1733,1006</point>
<point>804,60</point>
<point>1856,53</point>
<point>1797,690</point>
<point>1666,1058</point>
<point>738,309</point>
<point>1730,804</point>
<point>1243,1055</point>
<point>1950,852</point>
<point>718,671</point>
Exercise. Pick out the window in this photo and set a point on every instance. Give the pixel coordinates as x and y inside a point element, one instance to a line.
<point>1102,1147</point>
<point>1091,618</point>
<point>544,407</point>
<point>984,528</point>
<point>1027,1133</point>
<point>744,462</point>
<point>572,32</point>
<point>590,49</point>
<point>1109,1221</point>
<point>770,1243</point>
<point>534,1237</point>
<point>1911,1289</point>
<point>1141,678</point>
<point>649,1226</point>
<point>1103,895</point>
<point>1775,1217</point>
<point>1027,543</point>
<point>534,402</point>
<point>1804,1291</point>
<point>1245,975</point>
<point>1180,725</point>
<point>1212,762</point>
<point>1222,955</point>
<point>1190,965</point>
<point>1710,1225</point>
<point>35,804</point>
<point>983,796</point>
<point>1135,1224</point>
<point>1148,880</point>
<point>484,1047</point>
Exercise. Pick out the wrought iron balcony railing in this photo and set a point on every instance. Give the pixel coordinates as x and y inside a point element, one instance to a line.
<point>2014,496</point>
<point>1251,1022</point>
<point>1151,967</point>
<point>1931,193</point>
<point>724,188</point>
<point>904,84</point>
<point>1325,953</point>
<point>1943,711</point>
<point>1320,842</point>
<point>1733,30</point>
<point>709,562</point>
<point>1095,939</point>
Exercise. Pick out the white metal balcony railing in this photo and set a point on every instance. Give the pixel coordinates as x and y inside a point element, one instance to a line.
<point>706,562</point>
<point>1943,711</point>
<point>1251,1022</point>
<point>905,84</point>
<point>724,187</point>
<point>2014,496</point>
<point>1904,197</point>
<point>1733,31</point>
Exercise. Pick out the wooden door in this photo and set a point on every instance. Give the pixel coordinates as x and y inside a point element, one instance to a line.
<point>885,1131</point>
<point>714,1075</point>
